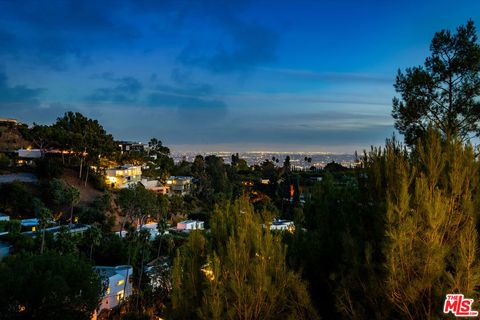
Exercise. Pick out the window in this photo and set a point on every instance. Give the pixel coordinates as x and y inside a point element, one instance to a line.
<point>120,282</point>
<point>120,295</point>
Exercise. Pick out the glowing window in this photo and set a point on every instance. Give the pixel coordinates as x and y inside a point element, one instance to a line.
<point>120,282</point>
<point>120,295</point>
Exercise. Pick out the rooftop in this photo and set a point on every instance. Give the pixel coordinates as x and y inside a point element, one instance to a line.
<point>190,221</point>
<point>111,271</point>
<point>123,167</point>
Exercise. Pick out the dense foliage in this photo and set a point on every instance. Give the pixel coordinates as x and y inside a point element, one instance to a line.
<point>48,286</point>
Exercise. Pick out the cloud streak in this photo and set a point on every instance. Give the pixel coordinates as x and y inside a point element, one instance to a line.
<point>19,95</point>
<point>125,90</point>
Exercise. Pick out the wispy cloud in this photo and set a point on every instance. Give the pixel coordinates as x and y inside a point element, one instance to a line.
<point>124,90</point>
<point>19,95</point>
<point>331,76</point>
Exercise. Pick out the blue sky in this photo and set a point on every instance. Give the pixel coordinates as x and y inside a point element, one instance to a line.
<point>219,75</point>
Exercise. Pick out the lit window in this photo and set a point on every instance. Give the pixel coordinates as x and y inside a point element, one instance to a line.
<point>120,295</point>
<point>120,282</point>
<point>108,290</point>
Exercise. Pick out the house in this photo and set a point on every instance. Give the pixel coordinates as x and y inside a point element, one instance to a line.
<point>126,146</point>
<point>189,225</point>
<point>8,121</point>
<point>123,176</point>
<point>29,224</point>
<point>153,230</point>
<point>74,228</point>
<point>4,217</point>
<point>155,186</point>
<point>150,227</point>
<point>119,285</point>
<point>283,225</point>
<point>180,185</point>
<point>29,153</point>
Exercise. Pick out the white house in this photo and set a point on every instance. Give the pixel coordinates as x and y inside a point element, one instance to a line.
<point>189,225</point>
<point>119,281</point>
<point>283,225</point>
<point>74,228</point>
<point>29,153</point>
<point>180,184</point>
<point>153,230</point>
<point>155,186</point>
<point>123,176</point>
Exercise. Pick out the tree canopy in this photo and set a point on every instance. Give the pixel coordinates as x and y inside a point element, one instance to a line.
<point>241,273</point>
<point>444,91</point>
<point>48,286</point>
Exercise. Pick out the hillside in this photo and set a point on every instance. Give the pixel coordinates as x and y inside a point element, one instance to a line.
<point>10,138</point>
<point>87,193</point>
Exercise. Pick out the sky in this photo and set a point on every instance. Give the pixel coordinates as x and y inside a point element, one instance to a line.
<point>225,75</point>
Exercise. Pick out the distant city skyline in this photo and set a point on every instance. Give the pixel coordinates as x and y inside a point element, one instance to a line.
<point>212,76</point>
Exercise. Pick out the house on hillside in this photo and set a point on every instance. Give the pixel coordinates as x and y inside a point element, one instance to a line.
<point>74,228</point>
<point>123,176</point>
<point>119,286</point>
<point>27,156</point>
<point>155,186</point>
<point>282,225</point>
<point>8,121</point>
<point>29,224</point>
<point>189,225</point>
<point>180,185</point>
<point>126,146</point>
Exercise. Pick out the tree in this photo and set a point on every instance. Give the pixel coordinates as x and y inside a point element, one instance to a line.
<point>41,136</point>
<point>72,197</point>
<point>431,215</point>
<point>85,137</point>
<point>48,286</point>
<point>16,199</point>
<point>63,196</point>
<point>66,242</point>
<point>44,217</point>
<point>426,203</point>
<point>444,92</point>
<point>240,273</point>
<point>137,202</point>
<point>94,237</point>
<point>286,163</point>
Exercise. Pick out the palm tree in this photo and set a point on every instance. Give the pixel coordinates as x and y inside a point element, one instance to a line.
<point>44,216</point>
<point>94,236</point>
<point>72,196</point>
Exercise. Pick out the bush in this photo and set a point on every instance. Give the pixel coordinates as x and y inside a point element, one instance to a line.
<point>4,161</point>
<point>49,168</point>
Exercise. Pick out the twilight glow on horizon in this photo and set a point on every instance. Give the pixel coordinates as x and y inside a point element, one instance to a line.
<point>219,75</point>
